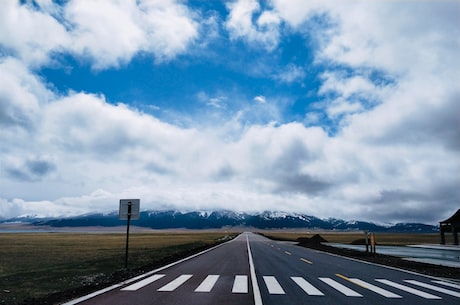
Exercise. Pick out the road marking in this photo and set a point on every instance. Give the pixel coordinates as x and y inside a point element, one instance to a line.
<point>306,286</point>
<point>176,283</point>
<point>306,261</point>
<point>409,289</point>
<point>341,288</point>
<point>143,283</point>
<point>447,284</point>
<point>207,284</point>
<point>435,288</point>
<point>375,289</point>
<point>255,285</point>
<point>346,278</point>
<point>113,287</point>
<point>288,253</point>
<point>240,285</point>
<point>92,295</point>
<point>272,285</point>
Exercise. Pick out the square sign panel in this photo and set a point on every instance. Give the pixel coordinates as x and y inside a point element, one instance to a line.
<point>129,206</point>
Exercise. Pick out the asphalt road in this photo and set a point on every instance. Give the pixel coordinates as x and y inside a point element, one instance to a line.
<point>254,270</point>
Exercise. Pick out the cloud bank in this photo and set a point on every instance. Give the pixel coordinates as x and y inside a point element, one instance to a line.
<point>381,142</point>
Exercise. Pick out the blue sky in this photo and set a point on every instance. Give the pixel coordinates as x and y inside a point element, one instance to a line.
<point>343,109</point>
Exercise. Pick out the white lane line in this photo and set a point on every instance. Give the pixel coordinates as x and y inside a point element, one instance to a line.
<point>92,295</point>
<point>240,285</point>
<point>447,284</point>
<point>341,288</point>
<point>435,288</point>
<point>176,283</point>
<point>306,286</point>
<point>255,285</point>
<point>143,283</point>
<point>273,286</point>
<point>381,291</point>
<point>207,284</point>
<point>409,289</point>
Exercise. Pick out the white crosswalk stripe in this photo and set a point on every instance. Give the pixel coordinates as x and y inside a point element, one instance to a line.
<point>435,288</point>
<point>272,285</point>
<point>341,288</point>
<point>143,283</point>
<point>176,283</point>
<point>381,291</point>
<point>409,289</point>
<point>240,285</point>
<point>452,285</point>
<point>207,284</point>
<point>306,286</point>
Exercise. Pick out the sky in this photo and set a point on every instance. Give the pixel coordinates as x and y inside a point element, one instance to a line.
<point>344,109</point>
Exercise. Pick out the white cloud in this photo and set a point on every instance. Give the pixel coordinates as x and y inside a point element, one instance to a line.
<point>21,94</point>
<point>169,26</point>
<point>38,35</point>
<point>392,72</point>
<point>214,101</point>
<point>260,99</point>
<point>111,33</point>
<point>291,74</point>
<point>107,33</point>
<point>265,31</point>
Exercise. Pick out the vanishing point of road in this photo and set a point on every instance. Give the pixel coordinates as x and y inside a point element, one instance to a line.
<point>252,269</point>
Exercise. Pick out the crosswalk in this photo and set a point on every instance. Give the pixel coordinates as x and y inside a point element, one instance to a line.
<point>320,287</point>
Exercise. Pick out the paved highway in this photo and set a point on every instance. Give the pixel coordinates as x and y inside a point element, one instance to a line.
<point>254,270</point>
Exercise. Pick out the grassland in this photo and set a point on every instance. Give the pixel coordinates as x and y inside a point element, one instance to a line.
<point>36,265</point>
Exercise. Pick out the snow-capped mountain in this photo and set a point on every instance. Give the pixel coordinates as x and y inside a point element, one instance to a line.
<point>222,218</point>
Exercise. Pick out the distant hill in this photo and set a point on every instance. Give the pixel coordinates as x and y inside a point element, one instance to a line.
<point>221,219</point>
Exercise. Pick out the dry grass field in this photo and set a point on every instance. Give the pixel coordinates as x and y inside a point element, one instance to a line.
<point>35,265</point>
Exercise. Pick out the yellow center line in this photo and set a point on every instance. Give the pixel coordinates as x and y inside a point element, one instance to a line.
<point>306,261</point>
<point>349,280</point>
<point>288,253</point>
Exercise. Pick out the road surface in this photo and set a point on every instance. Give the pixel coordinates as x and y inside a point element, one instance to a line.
<point>252,269</point>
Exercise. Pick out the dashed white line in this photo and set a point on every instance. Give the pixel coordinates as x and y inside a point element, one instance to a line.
<point>409,289</point>
<point>207,284</point>
<point>175,283</point>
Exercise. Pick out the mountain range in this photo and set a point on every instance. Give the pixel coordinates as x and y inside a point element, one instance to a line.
<point>223,219</point>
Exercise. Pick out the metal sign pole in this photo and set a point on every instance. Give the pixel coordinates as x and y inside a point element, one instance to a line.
<point>129,210</point>
<point>127,235</point>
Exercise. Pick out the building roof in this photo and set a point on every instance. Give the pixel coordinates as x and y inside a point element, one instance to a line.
<point>452,220</point>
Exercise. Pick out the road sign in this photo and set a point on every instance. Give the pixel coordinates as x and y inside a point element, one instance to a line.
<point>129,207</point>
